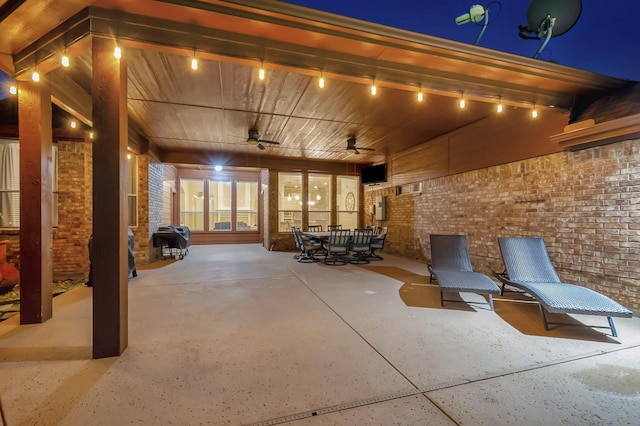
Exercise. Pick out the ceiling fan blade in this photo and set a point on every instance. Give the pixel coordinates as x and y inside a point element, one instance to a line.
<point>260,146</point>
<point>366,149</point>
<point>271,142</point>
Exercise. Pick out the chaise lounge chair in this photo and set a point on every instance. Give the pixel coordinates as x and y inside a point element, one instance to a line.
<point>529,268</point>
<point>451,265</point>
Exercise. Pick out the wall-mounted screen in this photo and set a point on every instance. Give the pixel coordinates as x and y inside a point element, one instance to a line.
<point>373,174</point>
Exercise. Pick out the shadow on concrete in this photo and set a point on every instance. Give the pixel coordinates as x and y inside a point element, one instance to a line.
<point>523,314</point>
<point>417,292</point>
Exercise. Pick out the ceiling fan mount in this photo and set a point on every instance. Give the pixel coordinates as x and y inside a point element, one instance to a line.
<point>352,146</point>
<point>254,139</point>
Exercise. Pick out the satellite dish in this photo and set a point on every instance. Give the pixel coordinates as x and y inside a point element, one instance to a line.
<point>550,18</point>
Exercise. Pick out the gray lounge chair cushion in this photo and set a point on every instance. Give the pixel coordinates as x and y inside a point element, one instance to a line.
<point>452,266</point>
<point>465,281</point>
<point>529,268</point>
<point>574,299</point>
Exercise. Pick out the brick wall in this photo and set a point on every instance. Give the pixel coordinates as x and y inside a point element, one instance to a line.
<point>585,204</point>
<point>155,204</point>
<point>141,232</point>
<point>70,238</point>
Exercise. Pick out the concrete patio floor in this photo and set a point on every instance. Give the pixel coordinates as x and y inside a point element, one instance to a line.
<point>235,334</point>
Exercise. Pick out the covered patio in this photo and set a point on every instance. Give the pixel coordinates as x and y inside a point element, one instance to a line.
<point>241,335</point>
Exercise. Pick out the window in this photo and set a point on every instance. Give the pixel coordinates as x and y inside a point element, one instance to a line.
<point>289,200</point>
<point>347,201</point>
<point>132,189</point>
<point>232,205</point>
<point>10,184</point>
<point>192,204</point>
<point>219,206</point>
<point>319,195</point>
<point>246,206</point>
<point>319,200</point>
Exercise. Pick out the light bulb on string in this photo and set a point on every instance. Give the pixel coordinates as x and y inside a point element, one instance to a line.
<point>374,89</point>
<point>117,52</point>
<point>13,89</point>
<point>65,59</point>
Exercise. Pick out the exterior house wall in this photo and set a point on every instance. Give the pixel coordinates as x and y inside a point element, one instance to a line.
<point>585,204</point>
<point>155,206</point>
<point>75,204</point>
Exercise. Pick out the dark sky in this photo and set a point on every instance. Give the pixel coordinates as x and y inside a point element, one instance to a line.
<point>605,39</point>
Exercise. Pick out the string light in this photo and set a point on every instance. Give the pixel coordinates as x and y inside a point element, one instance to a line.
<point>499,107</point>
<point>534,112</point>
<point>13,89</point>
<point>374,89</point>
<point>73,124</point>
<point>91,135</point>
<point>117,52</point>
<point>194,63</point>
<point>420,95</point>
<point>65,59</point>
<point>35,76</point>
<point>261,71</point>
<point>321,81</point>
<point>462,102</point>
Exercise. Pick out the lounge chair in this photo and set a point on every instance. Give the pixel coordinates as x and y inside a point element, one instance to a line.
<point>451,265</point>
<point>529,268</point>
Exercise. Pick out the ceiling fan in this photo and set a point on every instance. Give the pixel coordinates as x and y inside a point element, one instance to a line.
<point>351,146</point>
<point>254,139</point>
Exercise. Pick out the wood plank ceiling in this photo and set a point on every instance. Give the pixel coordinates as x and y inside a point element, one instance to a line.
<point>211,109</point>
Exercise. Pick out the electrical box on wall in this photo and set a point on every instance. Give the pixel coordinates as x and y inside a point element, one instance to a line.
<point>381,207</point>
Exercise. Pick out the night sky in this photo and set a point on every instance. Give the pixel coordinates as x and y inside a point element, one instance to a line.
<point>605,39</point>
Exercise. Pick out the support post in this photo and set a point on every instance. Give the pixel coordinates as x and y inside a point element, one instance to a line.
<point>36,275</point>
<point>109,251</point>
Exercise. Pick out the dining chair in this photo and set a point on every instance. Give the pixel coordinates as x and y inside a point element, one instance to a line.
<point>314,228</point>
<point>332,227</point>
<point>377,243</point>
<point>308,248</point>
<point>361,245</point>
<point>338,247</point>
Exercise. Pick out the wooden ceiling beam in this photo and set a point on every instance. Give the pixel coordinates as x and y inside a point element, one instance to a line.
<point>235,159</point>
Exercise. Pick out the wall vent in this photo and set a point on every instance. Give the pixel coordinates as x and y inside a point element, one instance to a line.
<point>410,188</point>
